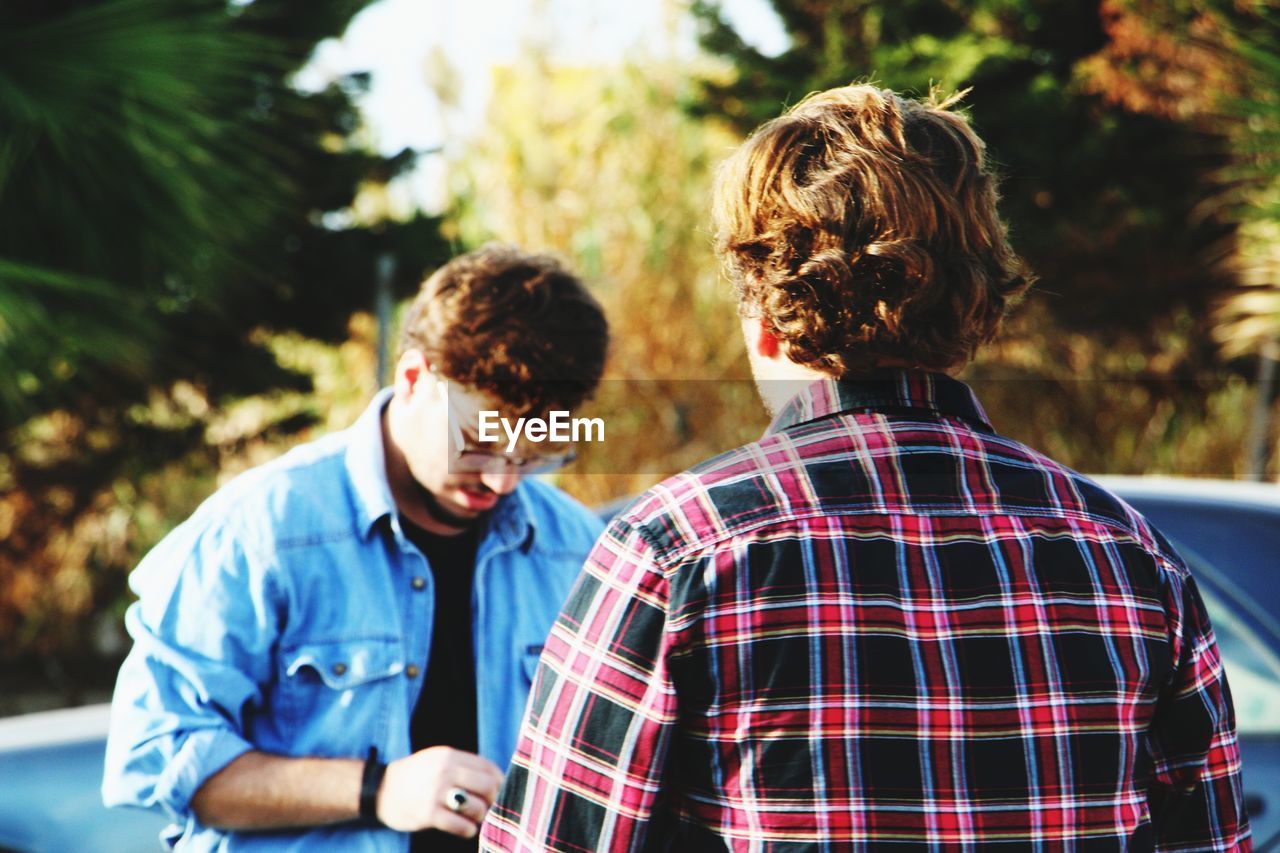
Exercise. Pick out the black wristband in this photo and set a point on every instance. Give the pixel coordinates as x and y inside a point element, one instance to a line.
<point>370,782</point>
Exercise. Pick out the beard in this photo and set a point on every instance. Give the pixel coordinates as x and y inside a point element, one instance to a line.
<point>434,509</point>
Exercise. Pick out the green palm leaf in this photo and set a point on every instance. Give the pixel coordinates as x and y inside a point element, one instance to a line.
<point>135,167</point>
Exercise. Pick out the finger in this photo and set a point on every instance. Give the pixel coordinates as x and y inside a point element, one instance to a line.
<point>497,774</point>
<point>478,763</point>
<point>475,807</point>
<point>455,766</point>
<point>482,784</point>
<point>495,777</point>
<point>455,824</point>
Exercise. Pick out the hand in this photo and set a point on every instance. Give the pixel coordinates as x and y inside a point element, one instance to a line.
<point>412,796</point>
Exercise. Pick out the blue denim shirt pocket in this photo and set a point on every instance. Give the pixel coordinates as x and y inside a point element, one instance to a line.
<point>340,693</point>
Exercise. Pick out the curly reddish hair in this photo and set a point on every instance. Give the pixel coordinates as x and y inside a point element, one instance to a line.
<point>516,326</point>
<point>863,227</point>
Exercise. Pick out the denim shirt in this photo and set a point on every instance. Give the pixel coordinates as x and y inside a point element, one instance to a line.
<point>285,614</point>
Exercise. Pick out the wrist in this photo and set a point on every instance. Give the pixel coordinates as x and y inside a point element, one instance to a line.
<point>370,785</point>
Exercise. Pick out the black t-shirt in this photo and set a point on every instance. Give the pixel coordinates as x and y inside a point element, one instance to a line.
<point>446,711</point>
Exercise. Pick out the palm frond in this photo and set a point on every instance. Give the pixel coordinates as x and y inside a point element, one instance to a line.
<point>136,166</point>
<point>69,327</point>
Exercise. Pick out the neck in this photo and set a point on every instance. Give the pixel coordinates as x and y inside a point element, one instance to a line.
<point>780,379</point>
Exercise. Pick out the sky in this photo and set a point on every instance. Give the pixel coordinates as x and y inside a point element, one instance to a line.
<point>404,43</point>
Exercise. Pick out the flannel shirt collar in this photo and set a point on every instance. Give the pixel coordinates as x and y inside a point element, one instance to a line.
<point>887,392</point>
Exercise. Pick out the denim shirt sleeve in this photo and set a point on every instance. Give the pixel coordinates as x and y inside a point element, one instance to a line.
<point>204,629</point>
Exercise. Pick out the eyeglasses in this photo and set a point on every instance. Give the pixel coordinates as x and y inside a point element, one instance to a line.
<point>470,460</point>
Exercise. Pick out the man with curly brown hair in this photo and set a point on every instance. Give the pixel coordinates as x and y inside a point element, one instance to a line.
<point>334,651</point>
<point>882,623</point>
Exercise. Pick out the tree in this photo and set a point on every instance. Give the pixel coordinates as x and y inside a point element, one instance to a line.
<point>1106,200</point>
<point>601,166</point>
<point>1212,64</point>
<point>1101,200</point>
<point>167,204</point>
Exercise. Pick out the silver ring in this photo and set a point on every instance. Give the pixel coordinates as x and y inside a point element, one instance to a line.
<point>456,799</point>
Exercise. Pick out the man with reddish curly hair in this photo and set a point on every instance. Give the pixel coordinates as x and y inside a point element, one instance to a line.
<point>334,651</point>
<point>882,623</point>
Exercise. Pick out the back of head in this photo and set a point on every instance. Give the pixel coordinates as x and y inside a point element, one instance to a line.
<point>862,226</point>
<point>517,326</point>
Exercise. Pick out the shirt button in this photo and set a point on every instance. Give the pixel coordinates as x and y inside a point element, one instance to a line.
<point>411,670</point>
<point>339,669</point>
<point>419,583</point>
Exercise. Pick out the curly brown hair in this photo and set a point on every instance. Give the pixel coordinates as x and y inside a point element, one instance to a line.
<point>863,226</point>
<point>516,326</point>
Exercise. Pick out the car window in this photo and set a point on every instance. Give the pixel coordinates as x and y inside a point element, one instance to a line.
<point>1253,670</point>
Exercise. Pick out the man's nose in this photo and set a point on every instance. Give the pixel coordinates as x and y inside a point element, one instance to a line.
<point>502,482</point>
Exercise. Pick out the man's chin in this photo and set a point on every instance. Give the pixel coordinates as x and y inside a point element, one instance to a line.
<point>473,503</point>
<point>460,509</point>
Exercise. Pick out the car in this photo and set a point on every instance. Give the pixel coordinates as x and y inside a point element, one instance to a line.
<point>1229,535</point>
<point>1228,532</point>
<point>50,780</point>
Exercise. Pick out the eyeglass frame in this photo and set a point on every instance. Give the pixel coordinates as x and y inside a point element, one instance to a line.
<point>491,461</point>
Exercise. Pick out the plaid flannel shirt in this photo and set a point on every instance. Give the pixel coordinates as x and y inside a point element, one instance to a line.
<point>880,623</point>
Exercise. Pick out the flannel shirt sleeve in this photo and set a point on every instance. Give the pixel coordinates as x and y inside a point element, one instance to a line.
<point>588,769</point>
<point>1196,796</point>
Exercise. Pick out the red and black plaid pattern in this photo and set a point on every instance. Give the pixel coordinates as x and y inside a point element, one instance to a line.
<point>882,623</point>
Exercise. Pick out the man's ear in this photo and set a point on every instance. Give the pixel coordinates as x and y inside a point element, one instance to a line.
<point>411,370</point>
<point>760,338</point>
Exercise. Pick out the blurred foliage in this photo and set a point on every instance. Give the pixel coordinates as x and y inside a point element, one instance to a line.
<point>171,207</point>
<point>1216,66</point>
<point>608,172</point>
<point>62,606</point>
<point>1103,407</point>
<point>1107,121</point>
<point>163,190</point>
<point>1102,201</point>
<point>1251,315</point>
<point>1111,186</point>
<point>1107,199</point>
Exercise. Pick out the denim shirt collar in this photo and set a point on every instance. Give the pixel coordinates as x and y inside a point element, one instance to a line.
<point>511,521</point>
<point>934,393</point>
